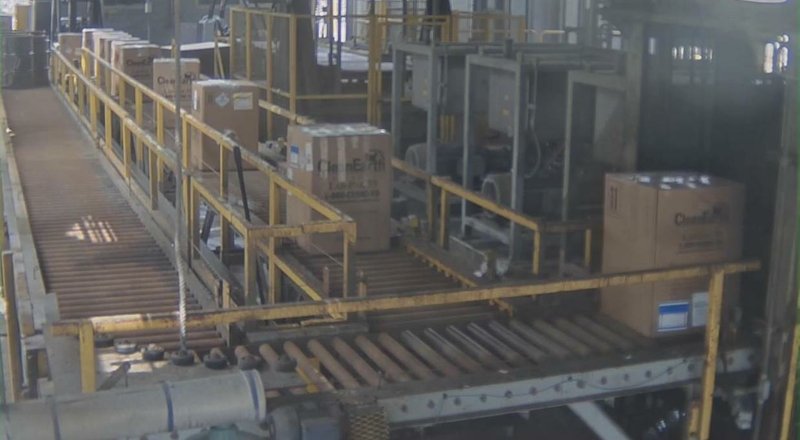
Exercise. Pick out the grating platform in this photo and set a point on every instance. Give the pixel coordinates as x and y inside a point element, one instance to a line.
<point>96,255</point>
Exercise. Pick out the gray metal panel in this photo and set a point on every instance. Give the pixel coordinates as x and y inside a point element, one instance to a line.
<point>452,83</point>
<point>516,393</point>
<point>502,93</point>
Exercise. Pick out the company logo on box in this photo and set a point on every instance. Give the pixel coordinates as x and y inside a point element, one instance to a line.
<point>373,161</point>
<point>718,213</point>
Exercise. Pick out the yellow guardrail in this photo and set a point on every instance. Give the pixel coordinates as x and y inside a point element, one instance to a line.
<point>700,422</point>
<point>87,98</point>
<point>443,188</point>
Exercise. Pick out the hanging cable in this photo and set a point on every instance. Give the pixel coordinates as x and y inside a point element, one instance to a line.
<point>177,238</point>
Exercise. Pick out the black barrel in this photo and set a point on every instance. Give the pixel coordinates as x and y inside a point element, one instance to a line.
<point>24,59</point>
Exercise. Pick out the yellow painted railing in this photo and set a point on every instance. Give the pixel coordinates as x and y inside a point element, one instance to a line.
<point>86,329</point>
<point>100,111</point>
<point>438,190</point>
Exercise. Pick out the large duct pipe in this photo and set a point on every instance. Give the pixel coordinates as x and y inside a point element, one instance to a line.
<point>135,412</point>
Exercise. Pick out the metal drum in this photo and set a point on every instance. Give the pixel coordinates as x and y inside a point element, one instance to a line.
<point>24,60</point>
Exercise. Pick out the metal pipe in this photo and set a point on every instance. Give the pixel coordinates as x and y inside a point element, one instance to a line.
<point>136,412</point>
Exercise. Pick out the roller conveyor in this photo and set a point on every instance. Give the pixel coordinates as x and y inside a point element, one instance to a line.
<point>95,254</point>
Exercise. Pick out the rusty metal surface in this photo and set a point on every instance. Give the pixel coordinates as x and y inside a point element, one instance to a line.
<point>95,254</point>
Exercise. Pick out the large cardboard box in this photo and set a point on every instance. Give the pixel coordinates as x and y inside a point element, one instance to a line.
<point>662,220</point>
<point>100,39</point>
<point>115,59</point>
<point>225,105</point>
<point>69,44</point>
<point>164,81</point>
<point>88,43</point>
<point>136,61</point>
<point>348,166</point>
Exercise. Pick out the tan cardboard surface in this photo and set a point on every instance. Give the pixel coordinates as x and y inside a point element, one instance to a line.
<point>661,220</point>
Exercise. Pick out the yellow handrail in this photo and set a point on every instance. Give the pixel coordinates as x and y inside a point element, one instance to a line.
<point>74,83</point>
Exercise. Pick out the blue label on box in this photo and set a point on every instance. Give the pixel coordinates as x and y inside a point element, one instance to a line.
<point>673,316</point>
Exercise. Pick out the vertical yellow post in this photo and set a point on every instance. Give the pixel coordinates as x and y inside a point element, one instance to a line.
<point>587,248</point>
<point>348,266</point>
<point>152,166</point>
<point>223,172</point>
<point>274,218</point>
<point>715,290</point>
<point>248,48</point>
<point>138,106</point>
<point>81,98</point>
<point>159,123</point>
<point>87,359</point>
<point>537,252</point>
<point>430,198</point>
<point>293,65</point>
<point>160,138</point>
<point>108,132</point>
<point>194,221</point>
<point>270,117</point>
<point>126,151</point>
<point>225,239</point>
<point>122,90</point>
<point>93,112</point>
<point>444,220</point>
<point>12,327</point>
<point>788,401</point>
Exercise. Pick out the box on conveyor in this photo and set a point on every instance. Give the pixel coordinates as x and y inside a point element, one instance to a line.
<point>348,166</point>
<point>662,220</point>
<point>114,56</point>
<point>164,81</point>
<point>227,106</point>
<point>100,39</point>
<point>136,61</point>
<point>69,44</point>
<point>88,43</point>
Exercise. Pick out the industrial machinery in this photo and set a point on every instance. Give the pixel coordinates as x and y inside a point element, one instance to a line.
<point>480,319</point>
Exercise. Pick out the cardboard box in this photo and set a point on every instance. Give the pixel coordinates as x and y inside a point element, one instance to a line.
<point>100,39</point>
<point>348,166</point>
<point>225,105</point>
<point>662,220</point>
<point>136,61</point>
<point>69,44</point>
<point>88,36</point>
<point>164,81</point>
<point>114,56</point>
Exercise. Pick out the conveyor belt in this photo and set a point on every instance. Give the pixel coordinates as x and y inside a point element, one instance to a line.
<point>95,253</point>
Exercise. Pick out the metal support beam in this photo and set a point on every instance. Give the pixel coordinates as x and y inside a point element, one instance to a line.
<point>520,145</point>
<point>398,76</point>
<point>595,418</point>
<point>433,114</point>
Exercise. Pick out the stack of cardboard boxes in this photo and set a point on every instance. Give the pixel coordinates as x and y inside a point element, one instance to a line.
<point>228,106</point>
<point>164,81</point>
<point>663,220</point>
<point>348,166</point>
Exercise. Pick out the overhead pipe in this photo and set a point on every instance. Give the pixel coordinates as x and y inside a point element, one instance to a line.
<point>134,412</point>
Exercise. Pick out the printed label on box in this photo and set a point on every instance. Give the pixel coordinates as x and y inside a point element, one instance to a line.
<point>699,309</point>
<point>222,99</point>
<point>309,157</point>
<point>673,316</point>
<point>294,154</point>
<point>243,101</point>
